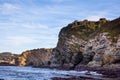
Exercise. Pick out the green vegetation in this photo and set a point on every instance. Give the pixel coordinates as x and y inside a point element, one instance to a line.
<point>83,29</point>
<point>87,29</point>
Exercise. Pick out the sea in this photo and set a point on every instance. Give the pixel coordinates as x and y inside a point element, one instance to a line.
<point>30,73</point>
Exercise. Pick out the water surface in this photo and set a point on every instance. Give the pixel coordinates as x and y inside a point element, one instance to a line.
<point>29,73</point>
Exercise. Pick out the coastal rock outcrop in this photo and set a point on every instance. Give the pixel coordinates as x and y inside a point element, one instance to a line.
<point>7,58</point>
<point>90,43</point>
<point>36,57</point>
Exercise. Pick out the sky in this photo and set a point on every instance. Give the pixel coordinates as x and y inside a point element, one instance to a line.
<point>32,24</point>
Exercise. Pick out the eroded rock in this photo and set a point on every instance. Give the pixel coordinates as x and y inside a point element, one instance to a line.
<point>36,57</point>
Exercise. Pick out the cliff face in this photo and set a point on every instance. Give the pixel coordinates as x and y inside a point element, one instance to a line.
<point>7,58</point>
<point>91,43</point>
<point>103,50</point>
<point>36,57</point>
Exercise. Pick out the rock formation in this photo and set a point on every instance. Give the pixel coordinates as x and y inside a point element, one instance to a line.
<point>36,57</point>
<point>91,43</point>
<point>7,58</point>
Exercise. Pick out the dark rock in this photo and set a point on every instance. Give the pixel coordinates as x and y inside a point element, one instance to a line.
<point>87,57</point>
<point>75,78</point>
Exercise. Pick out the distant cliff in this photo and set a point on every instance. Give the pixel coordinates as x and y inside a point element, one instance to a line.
<point>7,58</point>
<point>90,43</point>
<point>36,57</point>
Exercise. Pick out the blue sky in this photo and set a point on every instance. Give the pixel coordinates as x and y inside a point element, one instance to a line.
<point>31,24</point>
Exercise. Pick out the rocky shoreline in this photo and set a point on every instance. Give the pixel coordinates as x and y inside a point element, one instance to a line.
<point>107,73</point>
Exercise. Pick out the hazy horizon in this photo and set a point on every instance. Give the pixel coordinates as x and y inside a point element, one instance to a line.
<point>32,24</point>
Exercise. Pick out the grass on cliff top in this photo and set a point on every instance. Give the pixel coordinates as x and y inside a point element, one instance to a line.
<point>88,29</point>
<point>113,27</point>
<point>83,29</point>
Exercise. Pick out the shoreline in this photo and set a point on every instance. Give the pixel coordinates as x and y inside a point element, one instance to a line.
<point>107,72</point>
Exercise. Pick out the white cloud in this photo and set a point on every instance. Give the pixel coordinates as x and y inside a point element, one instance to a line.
<point>8,8</point>
<point>19,40</point>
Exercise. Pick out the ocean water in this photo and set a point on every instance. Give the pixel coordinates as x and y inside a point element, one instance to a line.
<point>29,73</point>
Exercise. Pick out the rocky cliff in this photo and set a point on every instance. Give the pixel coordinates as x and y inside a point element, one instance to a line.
<point>36,57</point>
<point>91,43</point>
